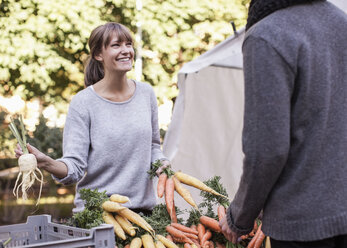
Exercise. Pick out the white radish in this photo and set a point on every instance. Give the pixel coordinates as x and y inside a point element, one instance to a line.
<point>27,165</point>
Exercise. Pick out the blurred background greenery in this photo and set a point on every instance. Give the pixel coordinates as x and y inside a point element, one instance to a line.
<point>43,45</point>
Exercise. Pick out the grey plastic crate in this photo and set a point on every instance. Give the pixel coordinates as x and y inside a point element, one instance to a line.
<point>39,231</point>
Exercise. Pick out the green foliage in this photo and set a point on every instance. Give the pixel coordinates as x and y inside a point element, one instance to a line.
<point>159,219</point>
<point>194,216</point>
<point>7,141</point>
<point>91,216</point>
<point>43,44</point>
<point>47,139</point>
<point>209,198</point>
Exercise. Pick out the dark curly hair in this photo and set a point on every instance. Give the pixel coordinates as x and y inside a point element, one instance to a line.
<point>259,9</point>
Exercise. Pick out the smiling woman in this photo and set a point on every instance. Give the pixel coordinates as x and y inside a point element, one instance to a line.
<point>111,129</point>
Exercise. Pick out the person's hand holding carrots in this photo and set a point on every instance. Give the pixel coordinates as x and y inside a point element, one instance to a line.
<point>228,233</point>
<point>165,164</point>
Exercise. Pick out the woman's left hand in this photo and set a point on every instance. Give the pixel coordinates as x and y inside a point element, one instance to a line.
<point>165,164</point>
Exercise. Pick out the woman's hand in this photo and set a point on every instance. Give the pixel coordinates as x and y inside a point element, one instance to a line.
<point>41,158</point>
<point>165,164</point>
<point>57,168</point>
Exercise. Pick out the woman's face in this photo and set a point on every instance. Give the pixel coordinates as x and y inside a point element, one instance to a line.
<point>117,56</point>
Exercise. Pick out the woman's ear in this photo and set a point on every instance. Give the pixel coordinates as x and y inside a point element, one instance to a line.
<point>98,58</point>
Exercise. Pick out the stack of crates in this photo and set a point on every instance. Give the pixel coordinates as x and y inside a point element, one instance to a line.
<point>39,231</point>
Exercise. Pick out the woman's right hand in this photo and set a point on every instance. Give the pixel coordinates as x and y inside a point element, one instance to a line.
<point>57,168</point>
<point>40,157</point>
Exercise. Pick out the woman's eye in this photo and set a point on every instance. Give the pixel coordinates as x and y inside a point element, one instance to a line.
<point>115,45</point>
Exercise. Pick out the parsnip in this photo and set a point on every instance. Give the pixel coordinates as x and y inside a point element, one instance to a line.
<point>109,219</point>
<point>27,165</point>
<point>147,241</point>
<point>119,198</point>
<point>136,243</point>
<point>112,207</point>
<point>166,242</point>
<point>126,225</point>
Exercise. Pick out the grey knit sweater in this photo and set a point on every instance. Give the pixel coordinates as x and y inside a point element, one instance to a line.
<point>110,145</point>
<point>295,125</point>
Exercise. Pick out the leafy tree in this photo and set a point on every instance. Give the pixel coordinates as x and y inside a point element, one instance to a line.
<point>6,139</point>
<point>47,139</point>
<point>43,42</point>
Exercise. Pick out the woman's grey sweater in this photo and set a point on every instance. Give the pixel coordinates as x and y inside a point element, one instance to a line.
<point>295,125</point>
<point>111,145</point>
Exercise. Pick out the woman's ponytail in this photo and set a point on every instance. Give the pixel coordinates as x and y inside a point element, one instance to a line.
<point>93,72</point>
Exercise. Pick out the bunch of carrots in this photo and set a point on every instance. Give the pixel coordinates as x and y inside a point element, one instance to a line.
<point>200,235</point>
<point>163,228</point>
<point>170,181</point>
<point>196,235</point>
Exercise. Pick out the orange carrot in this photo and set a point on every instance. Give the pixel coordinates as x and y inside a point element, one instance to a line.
<point>161,184</point>
<point>191,235</point>
<point>211,244</point>
<point>196,242</point>
<point>254,230</point>
<point>260,239</point>
<point>183,240</point>
<point>221,212</point>
<point>254,239</point>
<point>169,199</point>
<point>194,227</point>
<point>184,228</point>
<point>187,245</point>
<point>206,237</point>
<point>210,223</point>
<point>206,244</point>
<point>201,231</point>
<point>127,246</point>
<point>175,233</point>
<point>174,216</point>
<point>252,242</point>
<point>169,237</point>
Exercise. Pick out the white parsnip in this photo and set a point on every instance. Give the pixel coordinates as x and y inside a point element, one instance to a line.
<point>119,198</point>
<point>136,243</point>
<point>126,225</point>
<point>166,242</point>
<point>109,219</point>
<point>112,207</point>
<point>27,164</point>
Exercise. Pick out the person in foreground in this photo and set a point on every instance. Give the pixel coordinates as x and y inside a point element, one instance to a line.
<point>295,125</point>
<point>111,134</point>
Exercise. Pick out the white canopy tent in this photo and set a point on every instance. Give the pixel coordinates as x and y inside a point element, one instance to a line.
<point>204,136</point>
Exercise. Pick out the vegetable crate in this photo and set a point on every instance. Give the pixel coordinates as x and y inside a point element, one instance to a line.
<point>39,231</point>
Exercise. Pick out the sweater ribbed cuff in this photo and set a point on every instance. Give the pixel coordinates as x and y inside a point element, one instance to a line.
<point>238,230</point>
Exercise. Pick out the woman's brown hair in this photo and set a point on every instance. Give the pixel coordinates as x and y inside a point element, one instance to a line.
<point>101,36</point>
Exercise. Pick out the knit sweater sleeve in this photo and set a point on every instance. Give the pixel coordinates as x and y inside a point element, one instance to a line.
<point>266,135</point>
<point>76,143</point>
<point>156,149</point>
